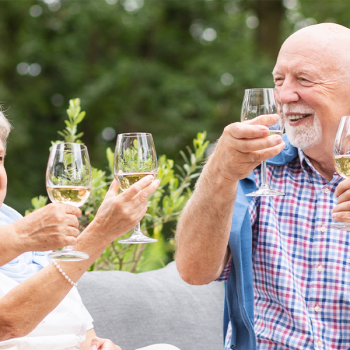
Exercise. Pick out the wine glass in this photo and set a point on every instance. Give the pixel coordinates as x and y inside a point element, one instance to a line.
<point>135,158</point>
<point>341,158</point>
<point>258,102</point>
<point>68,180</point>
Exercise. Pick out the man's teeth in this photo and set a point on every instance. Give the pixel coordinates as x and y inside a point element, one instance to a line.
<point>297,116</point>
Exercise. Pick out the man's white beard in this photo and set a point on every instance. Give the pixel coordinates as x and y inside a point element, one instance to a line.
<point>309,133</point>
<point>305,135</point>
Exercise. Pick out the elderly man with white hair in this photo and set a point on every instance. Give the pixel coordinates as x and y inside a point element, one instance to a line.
<point>287,271</point>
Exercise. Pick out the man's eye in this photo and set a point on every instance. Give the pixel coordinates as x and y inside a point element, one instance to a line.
<point>305,82</point>
<point>278,81</point>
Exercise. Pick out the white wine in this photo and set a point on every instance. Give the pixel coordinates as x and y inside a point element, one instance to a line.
<point>73,195</point>
<point>126,180</point>
<point>276,132</point>
<point>342,165</point>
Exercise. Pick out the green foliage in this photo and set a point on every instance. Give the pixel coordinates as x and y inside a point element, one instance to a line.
<point>150,68</point>
<point>134,70</point>
<point>164,206</point>
<point>37,203</point>
<point>132,160</point>
<point>75,116</point>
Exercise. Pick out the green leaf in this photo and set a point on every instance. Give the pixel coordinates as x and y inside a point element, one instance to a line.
<point>110,159</point>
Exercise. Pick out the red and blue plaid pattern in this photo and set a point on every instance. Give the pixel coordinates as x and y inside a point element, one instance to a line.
<point>301,267</point>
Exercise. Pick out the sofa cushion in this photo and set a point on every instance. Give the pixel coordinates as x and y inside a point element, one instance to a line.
<point>136,310</point>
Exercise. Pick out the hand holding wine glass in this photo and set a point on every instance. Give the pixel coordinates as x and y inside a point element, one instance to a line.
<point>259,102</point>
<point>68,181</point>
<point>341,158</point>
<point>135,158</point>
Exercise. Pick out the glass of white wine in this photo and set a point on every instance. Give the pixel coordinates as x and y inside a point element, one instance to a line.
<point>341,158</point>
<point>258,102</point>
<point>68,180</point>
<point>135,157</point>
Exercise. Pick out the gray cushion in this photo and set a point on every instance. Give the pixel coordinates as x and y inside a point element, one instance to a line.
<point>136,310</point>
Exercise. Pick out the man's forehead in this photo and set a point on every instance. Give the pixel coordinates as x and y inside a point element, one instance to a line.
<point>297,67</point>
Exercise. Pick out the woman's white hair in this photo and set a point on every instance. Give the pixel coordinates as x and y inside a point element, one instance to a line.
<point>5,128</point>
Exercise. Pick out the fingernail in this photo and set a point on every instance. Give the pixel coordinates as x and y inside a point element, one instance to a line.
<point>93,347</point>
<point>334,216</point>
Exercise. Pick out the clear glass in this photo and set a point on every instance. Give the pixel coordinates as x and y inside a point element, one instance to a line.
<point>68,180</point>
<point>135,158</point>
<point>341,158</point>
<point>258,102</point>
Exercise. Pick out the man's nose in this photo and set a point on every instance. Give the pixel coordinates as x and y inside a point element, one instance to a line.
<point>288,92</point>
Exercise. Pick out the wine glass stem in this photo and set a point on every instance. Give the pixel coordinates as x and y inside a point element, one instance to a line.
<point>137,229</point>
<point>263,174</point>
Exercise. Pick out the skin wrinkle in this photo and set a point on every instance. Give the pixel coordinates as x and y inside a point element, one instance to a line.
<point>326,57</point>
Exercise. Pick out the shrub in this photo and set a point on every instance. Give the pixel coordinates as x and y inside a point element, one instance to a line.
<point>164,206</point>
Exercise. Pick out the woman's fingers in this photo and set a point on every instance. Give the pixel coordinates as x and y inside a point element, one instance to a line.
<point>70,209</point>
<point>130,193</point>
<point>144,194</point>
<point>113,189</point>
<point>95,343</point>
<point>103,344</point>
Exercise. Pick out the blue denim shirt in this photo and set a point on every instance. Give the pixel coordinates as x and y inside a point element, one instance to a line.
<point>239,293</point>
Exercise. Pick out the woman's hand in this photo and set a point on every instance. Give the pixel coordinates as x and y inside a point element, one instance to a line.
<point>51,227</point>
<point>118,214</point>
<point>103,344</point>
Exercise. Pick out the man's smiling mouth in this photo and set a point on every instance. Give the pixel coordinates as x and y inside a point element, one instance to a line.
<point>295,117</point>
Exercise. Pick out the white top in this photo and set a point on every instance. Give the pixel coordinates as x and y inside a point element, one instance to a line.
<point>63,329</point>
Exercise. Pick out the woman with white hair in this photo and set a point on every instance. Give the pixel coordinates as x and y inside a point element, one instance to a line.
<point>40,308</point>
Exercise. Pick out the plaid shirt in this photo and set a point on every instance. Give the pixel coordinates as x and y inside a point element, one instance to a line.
<point>301,267</point>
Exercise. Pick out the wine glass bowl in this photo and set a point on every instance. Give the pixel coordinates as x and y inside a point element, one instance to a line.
<point>135,158</point>
<point>68,181</point>
<point>257,102</point>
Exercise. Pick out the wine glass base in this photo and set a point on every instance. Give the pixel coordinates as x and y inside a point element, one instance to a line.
<point>265,192</point>
<point>138,239</point>
<point>68,255</point>
<point>341,226</point>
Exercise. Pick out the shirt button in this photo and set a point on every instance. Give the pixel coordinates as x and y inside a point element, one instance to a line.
<point>323,229</point>
<point>319,343</point>
<point>326,190</point>
<point>317,308</point>
<point>319,268</point>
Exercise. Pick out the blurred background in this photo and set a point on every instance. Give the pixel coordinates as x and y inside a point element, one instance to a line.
<point>169,67</point>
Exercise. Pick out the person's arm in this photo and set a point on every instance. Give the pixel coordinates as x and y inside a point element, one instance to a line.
<point>51,227</point>
<point>25,306</point>
<point>204,226</point>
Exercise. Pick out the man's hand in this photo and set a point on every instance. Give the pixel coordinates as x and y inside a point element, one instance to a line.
<point>118,214</point>
<point>103,344</point>
<point>51,227</point>
<point>341,212</point>
<point>243,146</point>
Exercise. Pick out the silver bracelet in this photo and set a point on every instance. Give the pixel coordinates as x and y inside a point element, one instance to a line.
<point>64,274</point>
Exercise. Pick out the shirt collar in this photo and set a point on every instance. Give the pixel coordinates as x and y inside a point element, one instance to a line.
<point>311,172</point>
